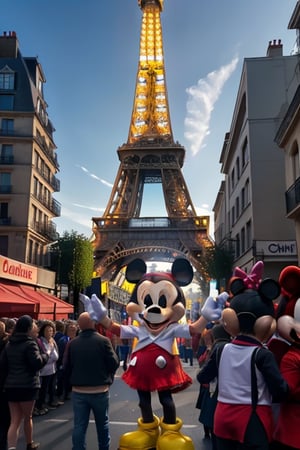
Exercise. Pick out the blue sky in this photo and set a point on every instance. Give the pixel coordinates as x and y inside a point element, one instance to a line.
<point>89,53</point>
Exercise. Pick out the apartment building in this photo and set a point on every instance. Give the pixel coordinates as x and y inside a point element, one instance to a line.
<point>28,161</point>
<point>250,209</point>
<point>288,138</point>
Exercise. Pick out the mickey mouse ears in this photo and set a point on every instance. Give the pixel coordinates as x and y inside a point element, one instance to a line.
<point>289,280</point>
<point>135,270</point>
<point>182,271</point>
<point>268,289</point>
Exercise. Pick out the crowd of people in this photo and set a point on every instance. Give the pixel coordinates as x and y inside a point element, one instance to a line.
<point>249,396</point>
<point>36,375</point>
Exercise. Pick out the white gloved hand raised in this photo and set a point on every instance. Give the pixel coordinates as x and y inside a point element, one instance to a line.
<point>94,307</point>
<point>99,310</point>
<point>212,308</point>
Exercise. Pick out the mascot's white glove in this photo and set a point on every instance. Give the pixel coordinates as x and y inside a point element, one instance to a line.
<point>94,307</point>
<point>85,300</point>
<point>212,308</point>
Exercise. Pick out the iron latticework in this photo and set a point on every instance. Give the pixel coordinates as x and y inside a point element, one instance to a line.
<point>149,156</point>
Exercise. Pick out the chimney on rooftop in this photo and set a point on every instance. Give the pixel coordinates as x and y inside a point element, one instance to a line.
<point>9,45</point>
<point>274,48</point>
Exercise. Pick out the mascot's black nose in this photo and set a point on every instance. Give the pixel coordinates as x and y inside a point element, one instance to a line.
<point>154,310</point>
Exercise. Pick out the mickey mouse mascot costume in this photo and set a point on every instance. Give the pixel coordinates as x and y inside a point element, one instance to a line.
<point>288,327</point>
<point>248,375</point>
<point>157,303</point>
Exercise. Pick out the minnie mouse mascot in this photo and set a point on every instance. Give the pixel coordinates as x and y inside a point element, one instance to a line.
<point>248,376</point>
<point>288,326</point>
<point>157,303</point>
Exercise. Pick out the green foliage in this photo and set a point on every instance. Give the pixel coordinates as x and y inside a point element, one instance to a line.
<point>218,263</point>
<point>74,262</point>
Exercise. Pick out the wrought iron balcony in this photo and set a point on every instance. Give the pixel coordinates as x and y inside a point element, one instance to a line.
<point>9,159</point>
<point>5,221</point>
<point>292,199</point>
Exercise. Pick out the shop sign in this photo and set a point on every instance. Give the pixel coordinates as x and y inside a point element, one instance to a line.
<point>17,271</point>
<point>277,248</point>
<point>118,295</point>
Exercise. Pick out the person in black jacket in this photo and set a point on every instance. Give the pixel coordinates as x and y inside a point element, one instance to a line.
<point>4,409</point>
<point>21,361</point>
<point>91,364</point>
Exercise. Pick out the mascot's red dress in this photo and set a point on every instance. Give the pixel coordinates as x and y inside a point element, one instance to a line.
<point>157,304</point>
<point>288,324</point>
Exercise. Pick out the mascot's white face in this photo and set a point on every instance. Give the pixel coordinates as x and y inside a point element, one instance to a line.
<point>159,300</point>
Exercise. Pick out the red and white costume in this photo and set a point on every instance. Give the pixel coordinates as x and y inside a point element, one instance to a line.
<point>155,364</point>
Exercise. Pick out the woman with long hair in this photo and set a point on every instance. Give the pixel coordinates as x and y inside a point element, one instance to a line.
<point>21,360</point>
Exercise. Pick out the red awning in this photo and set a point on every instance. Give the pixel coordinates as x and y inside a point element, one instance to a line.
<point>62,308</point>
<point>12,305</point>
<point>46,306</point>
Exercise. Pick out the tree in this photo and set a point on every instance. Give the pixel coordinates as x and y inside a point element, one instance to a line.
<point>73,263</point>
<point>217,263</point>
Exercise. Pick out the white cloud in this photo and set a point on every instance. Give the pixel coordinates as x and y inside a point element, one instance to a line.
<point>71,216</point>
<point>200,104</point>
<point>95,177</point>
<point>91,208</point>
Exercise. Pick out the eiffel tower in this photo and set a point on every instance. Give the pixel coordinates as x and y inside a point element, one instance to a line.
<point>150,156</point>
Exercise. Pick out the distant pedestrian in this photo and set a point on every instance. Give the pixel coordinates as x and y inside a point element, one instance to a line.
<point>91,364</point>
<point>63,387</point>
<point>46,398</point>
<point>21,361</point>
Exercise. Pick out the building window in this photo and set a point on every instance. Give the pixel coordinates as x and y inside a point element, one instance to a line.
<point>243,248</point>
<point>30,251</point>
<point>5,182</point>
<point>248,234</point>
<point>36,253</point>
<point>237,246</point>
<point>4,219</point>
<point>245,153</point>
<point>237,166</point>
<point>7,126</point>
<point>295,163</point>
<point>35,187</point>
<point>247,192</point>
<point>3,210</point>
<point>232,180</point>
<point>4,245</point>
<point>6,156</point>
<point>232,216</point>
<point>237,207</point>
<point>34,216</point>
<point>6,102</point>
<point>243,199</point>
<point>7,79</point>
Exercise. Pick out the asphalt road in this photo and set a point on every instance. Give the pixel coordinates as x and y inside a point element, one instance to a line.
<point>54,429</point>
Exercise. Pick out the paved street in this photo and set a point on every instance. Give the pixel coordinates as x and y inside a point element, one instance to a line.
<point>54,429</point>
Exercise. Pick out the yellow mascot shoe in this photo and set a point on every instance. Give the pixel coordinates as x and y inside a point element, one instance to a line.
<point>144,438</point>
<point>172,439</point>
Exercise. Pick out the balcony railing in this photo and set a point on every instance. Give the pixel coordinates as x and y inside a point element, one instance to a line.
<point>5,188</point>
<point>5,221</point>
<point>53,205</point>
<point>292,196</point>
<point>50,178</point>
<point>7,159</point>
<point>48,230</point>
